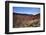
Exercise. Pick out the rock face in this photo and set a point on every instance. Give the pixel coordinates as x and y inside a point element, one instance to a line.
<point>24,20</point>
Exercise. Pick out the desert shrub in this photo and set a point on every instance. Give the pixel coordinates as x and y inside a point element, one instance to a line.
<point>35,24</point>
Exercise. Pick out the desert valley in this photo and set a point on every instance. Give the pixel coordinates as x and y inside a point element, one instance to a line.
<point>26,20</point>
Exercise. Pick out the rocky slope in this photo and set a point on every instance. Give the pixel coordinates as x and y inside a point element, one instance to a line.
<point>26,20</point>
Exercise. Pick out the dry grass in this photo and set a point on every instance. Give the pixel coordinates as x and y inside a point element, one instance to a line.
<point>29,23</point>
<point>26,21</point>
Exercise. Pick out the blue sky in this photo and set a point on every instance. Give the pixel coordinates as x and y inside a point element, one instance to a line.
<point>26,10</point>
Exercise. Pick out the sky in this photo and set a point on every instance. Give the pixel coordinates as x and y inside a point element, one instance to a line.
<point>26,10</point>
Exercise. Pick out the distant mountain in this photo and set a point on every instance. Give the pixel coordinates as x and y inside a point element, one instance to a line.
<point>26,14</point>
<point>22,14</point>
